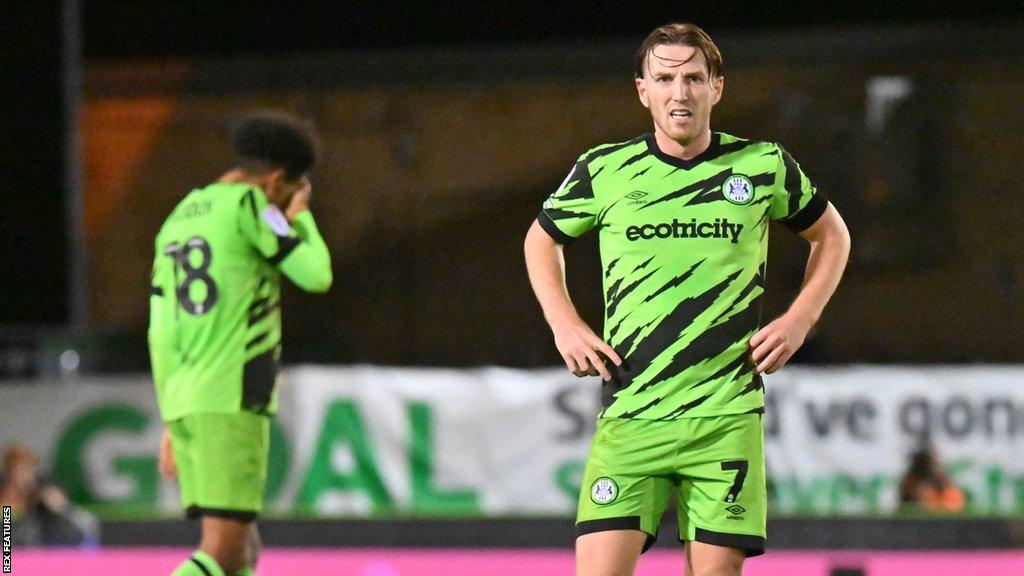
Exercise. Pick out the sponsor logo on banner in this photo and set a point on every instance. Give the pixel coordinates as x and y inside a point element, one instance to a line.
<point>439,441</point>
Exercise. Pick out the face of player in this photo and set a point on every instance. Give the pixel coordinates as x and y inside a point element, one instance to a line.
<point>280,189</point>
<point>678,92</point>
<point>23,474</point>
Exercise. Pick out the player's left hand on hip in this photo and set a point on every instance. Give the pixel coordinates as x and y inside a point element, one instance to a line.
<point>776,343</point>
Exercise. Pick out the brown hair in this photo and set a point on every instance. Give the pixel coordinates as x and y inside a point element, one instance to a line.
<point>16,454</point>
<point>685,35</point>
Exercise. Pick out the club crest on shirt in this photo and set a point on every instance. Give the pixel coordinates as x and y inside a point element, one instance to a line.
<point>738,189</point>
<point>604,491</point>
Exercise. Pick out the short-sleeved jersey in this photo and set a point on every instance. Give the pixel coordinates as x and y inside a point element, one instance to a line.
<point>683,246</point>
<point>215,319</point>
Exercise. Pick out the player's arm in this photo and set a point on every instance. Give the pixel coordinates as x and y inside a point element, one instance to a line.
<point>579,347</point>
<point>163,353</point>
<point>290,240</point>
<point>309,264</point>
<point>829,238</point>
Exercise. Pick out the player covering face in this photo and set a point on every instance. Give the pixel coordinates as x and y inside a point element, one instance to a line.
<point>215,330</point>
<point>682,216</point>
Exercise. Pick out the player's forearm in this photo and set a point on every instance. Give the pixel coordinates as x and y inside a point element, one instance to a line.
<point>309,264</point>
<point>305,227</point>
<point>546,267</point>
<point>830,249</point>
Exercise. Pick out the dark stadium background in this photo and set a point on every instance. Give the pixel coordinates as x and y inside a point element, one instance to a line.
<point>396,43</point>
<point>116,30</point>
<point>433,275</point>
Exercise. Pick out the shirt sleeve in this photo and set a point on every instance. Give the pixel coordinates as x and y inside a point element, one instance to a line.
<point>162,303</point>
<point>309,264</point>
<point>796,203</point>
<point>299,252</point>
<point>572,209</point>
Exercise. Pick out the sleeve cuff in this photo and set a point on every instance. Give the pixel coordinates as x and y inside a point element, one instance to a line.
<point>552,229</point>
<point>808,215</point>
<point>285,246</point>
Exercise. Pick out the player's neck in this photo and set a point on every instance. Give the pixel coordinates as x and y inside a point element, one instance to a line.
<point>685,150</point>
<point>239,176</point>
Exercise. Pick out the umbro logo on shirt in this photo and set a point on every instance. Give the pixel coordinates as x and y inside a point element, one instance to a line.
<point>636,197</point>
<point>720,228</point>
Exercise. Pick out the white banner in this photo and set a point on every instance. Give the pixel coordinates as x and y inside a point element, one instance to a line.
<point>839,439</point>
<point>370,440</point>
<point>492,440</point>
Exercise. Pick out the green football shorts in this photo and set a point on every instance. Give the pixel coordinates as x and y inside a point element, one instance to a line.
<point>713,465</point>
<point>222,463</point>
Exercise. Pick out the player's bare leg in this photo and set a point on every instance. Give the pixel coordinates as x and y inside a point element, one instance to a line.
<point>710,560</point>
<point>227,541</point>
<point>255,545</point>
<point>609,553</point>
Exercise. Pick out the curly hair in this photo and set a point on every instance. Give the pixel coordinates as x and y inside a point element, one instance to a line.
<point>277,139</point>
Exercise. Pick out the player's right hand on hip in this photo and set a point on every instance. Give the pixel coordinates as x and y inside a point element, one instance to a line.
<point>583,352</point>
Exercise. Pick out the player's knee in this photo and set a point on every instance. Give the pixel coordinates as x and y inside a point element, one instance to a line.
<point>604,571</point>
<point>231,559</point>
<point>719,566</point>
<point>255,545</point>
<point>609,553</point>
<point>231,553</point>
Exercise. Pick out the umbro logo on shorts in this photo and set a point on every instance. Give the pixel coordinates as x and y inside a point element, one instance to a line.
<point>735,510</point>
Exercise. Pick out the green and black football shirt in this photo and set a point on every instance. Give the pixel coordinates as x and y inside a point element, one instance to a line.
<point>215,318</point>
<point>683,245</point>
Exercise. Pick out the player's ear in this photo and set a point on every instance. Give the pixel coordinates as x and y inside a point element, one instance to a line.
<point>274,185</point>
<point>718,84</point>
<point>641,91</point>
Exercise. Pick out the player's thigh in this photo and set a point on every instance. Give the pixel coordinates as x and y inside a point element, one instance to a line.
<point>710,560</point>
<point>609,553</point>
<point>229,457</point>
<point>722,495</point>
<point>626,485</point>
<point>255,545</point>
<point>227,533</point>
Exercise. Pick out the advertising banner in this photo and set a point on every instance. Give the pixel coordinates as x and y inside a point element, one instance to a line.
<point>368,440</point>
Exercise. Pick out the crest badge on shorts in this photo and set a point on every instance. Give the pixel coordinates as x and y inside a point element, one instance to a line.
<point>604,491</point>
<point>738,189</point>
